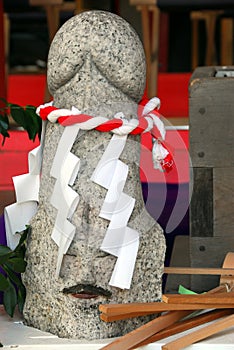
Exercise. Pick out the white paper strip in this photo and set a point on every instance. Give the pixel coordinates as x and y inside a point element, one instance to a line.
<point>124,267</point>
<point>111,173</point>
<point>26,187</point>
<point>103,173</point>
<point>115,234</point>
<point>65,144</point>
<point>122,242</point>
<point>19,214</point>
<point>65,168</point>
<point>16,217</point>
<point>115,190</point>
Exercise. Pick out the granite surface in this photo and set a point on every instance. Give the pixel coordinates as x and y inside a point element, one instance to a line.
<point>96,63</point>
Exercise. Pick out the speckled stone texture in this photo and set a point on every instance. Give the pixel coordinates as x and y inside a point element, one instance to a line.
<point>96,63</point>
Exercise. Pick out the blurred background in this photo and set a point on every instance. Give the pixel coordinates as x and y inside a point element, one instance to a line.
<point>28,32</point>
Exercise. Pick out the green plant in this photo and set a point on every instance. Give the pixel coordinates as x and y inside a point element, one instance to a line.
<point>25,117</point>
<point>13,264</point>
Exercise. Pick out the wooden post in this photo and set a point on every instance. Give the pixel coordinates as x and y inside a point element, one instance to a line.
<point>226,37</point>
<point>211,134</point>
<point>150,27</point>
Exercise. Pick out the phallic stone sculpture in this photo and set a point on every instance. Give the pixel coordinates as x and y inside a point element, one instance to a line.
<point>96,64</point>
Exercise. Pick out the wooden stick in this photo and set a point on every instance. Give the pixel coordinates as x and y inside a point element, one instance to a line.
<point>129,314</point>
<point>184,325</point>
<point>131,339</point>
<point>111,318</point>
<point>200,334</point>
<point>199,271</point>
<point>115,312</point>
<point>217,298</point>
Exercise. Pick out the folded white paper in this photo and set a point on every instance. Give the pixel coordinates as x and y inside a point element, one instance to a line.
<point>120,240</point>
<point>19,214</point>
<point>64,169</point>
<point>16,217</point>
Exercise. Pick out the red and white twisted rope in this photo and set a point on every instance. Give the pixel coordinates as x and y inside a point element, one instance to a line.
<point>149,121</point>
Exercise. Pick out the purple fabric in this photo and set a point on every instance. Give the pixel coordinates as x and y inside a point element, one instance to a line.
<point>153,193</point>
<point>2,231</point>
<point>3,242</point>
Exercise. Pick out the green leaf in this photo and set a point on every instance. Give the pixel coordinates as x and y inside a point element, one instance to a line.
<point>18,114</point>
<point>4,284</point>
<point>23,237</point>
<point>13,263</point>
<point>4,250</point>
<point>5,254</point>
<point>34,122</point>
<point>4,126</point>
<point>12,275</point>
<point>17,264</point>
<point>21,297</point>
<point>4,122</point>
<point>4,134</point>
<point>5,258</point>
<point>10,299</point>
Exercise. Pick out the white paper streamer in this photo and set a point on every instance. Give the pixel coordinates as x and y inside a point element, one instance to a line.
<point>120,240</point>
<point>16,217</point>
<point>159,154</point>
<point>19,214</point>
<point>64,169</point>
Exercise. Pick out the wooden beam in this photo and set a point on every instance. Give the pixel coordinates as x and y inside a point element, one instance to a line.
<point>226,40</point>
<point>143,2</point>
<point>45,2</point>
<point>133,338</point>
<point>200,334</point>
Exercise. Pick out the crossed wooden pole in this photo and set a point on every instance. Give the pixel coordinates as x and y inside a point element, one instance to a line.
<point>175,309</point>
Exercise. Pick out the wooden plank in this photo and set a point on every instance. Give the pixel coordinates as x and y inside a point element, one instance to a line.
<point>179,257</point>
<point>112,312</point>
<point>211,122</point>
<point>124,315</point>
<point>45,2</point>
<point>200,334</point>
<point>226,51</point>
<point>185,325</point>
<point>133,338</point>
<point>143,2</point>
<point>223,201</point>
<point>201,206</point>
<point>219,298</point>
<point>199,271</point>
<point>210,252</point>
<point>153,82</point>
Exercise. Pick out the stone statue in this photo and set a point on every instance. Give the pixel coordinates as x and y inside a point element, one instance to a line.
<point>96,65</point>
